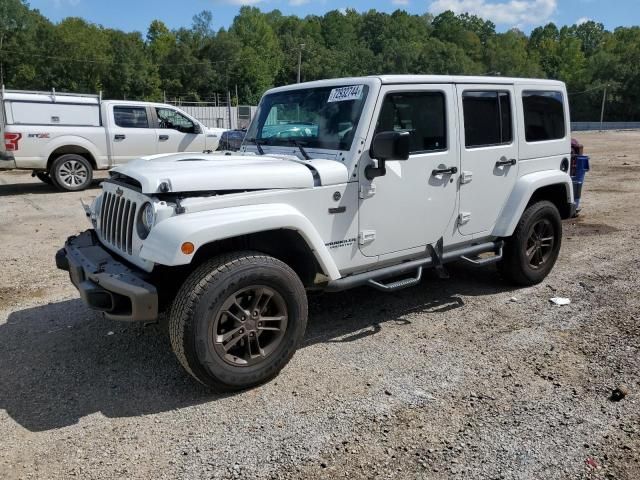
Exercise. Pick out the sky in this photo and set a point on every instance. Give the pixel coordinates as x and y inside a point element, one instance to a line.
<point>132,15</point>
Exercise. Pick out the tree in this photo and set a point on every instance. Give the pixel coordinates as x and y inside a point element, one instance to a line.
<point>13,20</point>
<point>260,50</point>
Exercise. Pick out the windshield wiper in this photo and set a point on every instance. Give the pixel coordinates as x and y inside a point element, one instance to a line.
<point>258,144</point>
<point>300,147</point>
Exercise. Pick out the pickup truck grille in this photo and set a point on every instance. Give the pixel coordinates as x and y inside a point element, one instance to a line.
<point>117,221</point>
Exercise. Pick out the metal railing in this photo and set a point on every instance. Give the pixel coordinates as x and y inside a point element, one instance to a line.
<point>589,126</point>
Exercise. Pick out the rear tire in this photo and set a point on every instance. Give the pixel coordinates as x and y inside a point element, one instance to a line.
<point>71,172</point>
<point>531,252</point>
<point>237,320</point>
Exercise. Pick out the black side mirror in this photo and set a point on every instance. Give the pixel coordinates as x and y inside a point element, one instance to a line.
<point>387,146</point>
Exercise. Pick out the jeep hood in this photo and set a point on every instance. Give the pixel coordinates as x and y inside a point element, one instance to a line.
<point>198,172</point>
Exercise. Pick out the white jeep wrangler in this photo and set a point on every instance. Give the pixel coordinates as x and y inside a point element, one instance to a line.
<point>340,183</point>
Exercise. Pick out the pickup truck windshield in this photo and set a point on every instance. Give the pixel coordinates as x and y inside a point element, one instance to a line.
<point>324,117</point>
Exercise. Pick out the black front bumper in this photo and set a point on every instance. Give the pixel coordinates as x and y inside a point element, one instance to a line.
<point>105,283</point>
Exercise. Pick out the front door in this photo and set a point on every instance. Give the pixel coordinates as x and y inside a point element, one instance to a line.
<point>412,204</point>
<point>489,152</point>
<point>177,133</point>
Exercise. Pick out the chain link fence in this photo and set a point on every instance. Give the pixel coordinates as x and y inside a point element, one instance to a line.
<point>218,116</point>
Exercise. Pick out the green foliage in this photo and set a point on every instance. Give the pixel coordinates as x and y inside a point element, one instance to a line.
<point>260,50</point>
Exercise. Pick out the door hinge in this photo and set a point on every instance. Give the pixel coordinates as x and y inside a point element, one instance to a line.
<point>466,177</point>
<point>464,217</point>
<point>367,191</point>
<point>366,236</point>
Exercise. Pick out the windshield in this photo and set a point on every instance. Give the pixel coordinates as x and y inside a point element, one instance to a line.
<point>315,117</point>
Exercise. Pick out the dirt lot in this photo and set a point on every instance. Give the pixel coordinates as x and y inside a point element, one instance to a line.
<point>464,378</point>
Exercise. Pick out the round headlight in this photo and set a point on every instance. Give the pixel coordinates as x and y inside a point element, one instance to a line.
<point>146,221</point>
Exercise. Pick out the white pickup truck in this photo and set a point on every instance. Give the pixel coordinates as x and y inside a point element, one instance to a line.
<point>64,137</point>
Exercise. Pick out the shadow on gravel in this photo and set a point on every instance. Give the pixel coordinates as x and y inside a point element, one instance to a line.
<point>61,362</point>
<point>38,188</point>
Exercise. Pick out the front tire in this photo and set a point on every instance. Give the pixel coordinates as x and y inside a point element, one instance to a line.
<point>71,172</point>
<point>531,252</point>
<point>237,320</point>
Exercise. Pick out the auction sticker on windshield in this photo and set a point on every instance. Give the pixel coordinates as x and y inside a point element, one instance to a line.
<point>342,94</point>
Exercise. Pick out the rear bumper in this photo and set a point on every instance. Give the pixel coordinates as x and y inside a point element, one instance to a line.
<point>105,283</point>
<point>7,161</point>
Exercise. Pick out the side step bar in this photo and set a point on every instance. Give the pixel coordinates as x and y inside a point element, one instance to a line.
<point>374,277</point>
<point>397,285</point>
<point>481,262</point>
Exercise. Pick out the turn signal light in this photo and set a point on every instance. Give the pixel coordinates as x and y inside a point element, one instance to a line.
<point>187,248</point>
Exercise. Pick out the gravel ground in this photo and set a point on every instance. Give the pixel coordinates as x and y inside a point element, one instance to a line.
<point>463,378</point>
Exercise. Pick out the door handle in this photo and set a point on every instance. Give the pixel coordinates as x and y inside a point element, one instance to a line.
<point>163,138</point>
<point>119,137</point>
<point>444,171</point>
<point>503,162</point>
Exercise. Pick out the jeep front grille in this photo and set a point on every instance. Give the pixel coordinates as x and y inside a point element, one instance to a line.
<point>117,221</point>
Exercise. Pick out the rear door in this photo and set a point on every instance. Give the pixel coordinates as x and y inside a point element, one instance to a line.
<point>489,154</point>
<point>177,132</point>
<point>131,133</point>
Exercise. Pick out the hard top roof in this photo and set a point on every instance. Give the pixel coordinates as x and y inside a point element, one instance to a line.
<point>394,79</point>
<point>422,79</point>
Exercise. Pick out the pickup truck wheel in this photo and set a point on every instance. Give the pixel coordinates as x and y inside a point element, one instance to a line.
<point>237,320</point>
<point>71,172</point>
<point>532,251</point>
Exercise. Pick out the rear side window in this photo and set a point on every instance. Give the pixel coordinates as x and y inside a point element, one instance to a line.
<point>543,115</point>
<point>131,117</point>
<point>487,118</point>
<point>422,114</point>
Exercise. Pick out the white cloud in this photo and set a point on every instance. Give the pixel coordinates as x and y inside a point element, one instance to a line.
<point>582,20</point>
<point>297,3</point>
<point>400,2</point>
<point>511,12</point>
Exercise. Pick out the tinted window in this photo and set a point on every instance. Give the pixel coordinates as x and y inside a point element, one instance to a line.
<point>543,116</point>
<point>168,118</point>
<point>422,114</point>
<point>131,117</point>
<point>487,118</point>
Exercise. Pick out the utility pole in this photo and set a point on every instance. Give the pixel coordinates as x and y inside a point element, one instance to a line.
<point>300,60</point>
<point>604,101</point>
<point>229,108</point>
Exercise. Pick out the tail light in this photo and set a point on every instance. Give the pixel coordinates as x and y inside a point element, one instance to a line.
<point>11,141</point>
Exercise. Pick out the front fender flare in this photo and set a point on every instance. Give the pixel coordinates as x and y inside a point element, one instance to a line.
<point>521,194</point>
<point>163,244</point>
